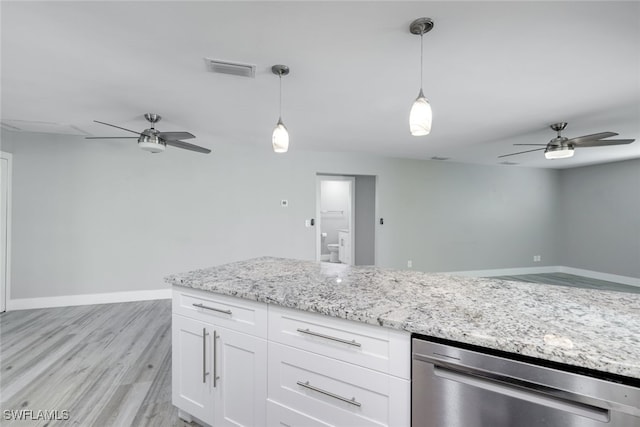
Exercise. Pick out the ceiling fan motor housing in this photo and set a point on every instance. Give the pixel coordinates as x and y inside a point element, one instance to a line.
<point>149,141</point>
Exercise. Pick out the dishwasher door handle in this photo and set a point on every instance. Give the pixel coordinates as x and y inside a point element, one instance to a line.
<point>523,393</point>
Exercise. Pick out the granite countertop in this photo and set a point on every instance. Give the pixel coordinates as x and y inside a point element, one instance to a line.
<point>582,327</point>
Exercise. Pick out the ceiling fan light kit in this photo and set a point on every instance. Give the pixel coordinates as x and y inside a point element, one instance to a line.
<point>420,116</point>
<point>280,136</point>
<point>558,152</point>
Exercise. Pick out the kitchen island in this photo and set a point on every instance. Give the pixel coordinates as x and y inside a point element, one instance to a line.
<point>591,329</point>
<point>584,328</point>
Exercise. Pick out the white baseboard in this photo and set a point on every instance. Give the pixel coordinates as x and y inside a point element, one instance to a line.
<point>87,299</point>
<point>506,271</point>
<point>625,280</point>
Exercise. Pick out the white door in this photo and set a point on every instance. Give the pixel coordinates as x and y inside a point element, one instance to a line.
<point>5,226</point>
<point>192,362</point>
<point>241,391</point>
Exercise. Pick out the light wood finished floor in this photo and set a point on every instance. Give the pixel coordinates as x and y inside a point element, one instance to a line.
<point>107,365</point>
<point>564,279</point>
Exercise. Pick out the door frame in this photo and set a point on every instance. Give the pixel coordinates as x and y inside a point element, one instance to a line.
<point>352,217</point>
<point>5,245</point>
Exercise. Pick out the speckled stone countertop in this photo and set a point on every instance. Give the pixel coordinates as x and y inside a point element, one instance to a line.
<point>592,329</point>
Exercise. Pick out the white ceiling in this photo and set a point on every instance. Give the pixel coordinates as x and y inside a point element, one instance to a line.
<point>496,73</point>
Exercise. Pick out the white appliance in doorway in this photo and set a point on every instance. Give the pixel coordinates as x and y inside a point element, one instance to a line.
<point>335,218</point>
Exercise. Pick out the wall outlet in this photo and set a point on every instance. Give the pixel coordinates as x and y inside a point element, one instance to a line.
<point>307,223</point>
<point>537,258</point>
<point>409,263</point>
<point>284,203</point>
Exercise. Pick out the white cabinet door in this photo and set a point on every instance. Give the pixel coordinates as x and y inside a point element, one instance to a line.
<point>191,367</point>
<point>241,389</point>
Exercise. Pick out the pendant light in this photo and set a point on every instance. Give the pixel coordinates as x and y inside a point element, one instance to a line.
<point>420,115</point>
<point>280,137</point>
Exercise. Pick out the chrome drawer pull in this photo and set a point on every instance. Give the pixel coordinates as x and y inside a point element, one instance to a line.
<point>215,359</point>
<point>212,309</point>
<point>316,334</point>
<point>351,401</point>
<point>204,355</point>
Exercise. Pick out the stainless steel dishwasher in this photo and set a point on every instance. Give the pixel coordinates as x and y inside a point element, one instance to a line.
<point>464,387</point>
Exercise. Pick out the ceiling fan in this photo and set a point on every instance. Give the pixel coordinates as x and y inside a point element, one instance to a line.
<point>562,147</point>
<point>153,140</point>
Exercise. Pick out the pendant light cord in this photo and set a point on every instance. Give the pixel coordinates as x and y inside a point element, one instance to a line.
<point>421,57</point>
<point>280,106</point>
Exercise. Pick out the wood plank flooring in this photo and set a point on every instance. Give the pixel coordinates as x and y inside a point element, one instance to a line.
<point>107,365</point>
<point>564,279</point>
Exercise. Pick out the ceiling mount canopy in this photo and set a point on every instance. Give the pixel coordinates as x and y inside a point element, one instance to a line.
<point>280,137</point>
<point>421,26</point>
<point>421,115</point>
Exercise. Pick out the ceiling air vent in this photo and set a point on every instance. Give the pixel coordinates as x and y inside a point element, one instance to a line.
<point>440,158</point>
<point>228,67</point>
<point>508,163</point>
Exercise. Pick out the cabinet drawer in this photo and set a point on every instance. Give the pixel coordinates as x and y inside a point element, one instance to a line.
<point>234,313</point>
<point>358,343</point>
<point>281,416</point>
<point>335,392</point>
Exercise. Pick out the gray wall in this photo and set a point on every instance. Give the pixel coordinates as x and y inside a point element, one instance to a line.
<point>103,216</point>
<point>600,217</point>
<point>365,223</point>
<point>451,216</point>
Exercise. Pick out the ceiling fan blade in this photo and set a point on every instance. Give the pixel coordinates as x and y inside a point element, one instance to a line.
<point>174,136</point>
<point>580,139</point>
<point>118,127</point>
<point>187,146</point>
<point>605,142</point>
<point>522,152</point>
<point>543,145</point>
<point>110,137</point>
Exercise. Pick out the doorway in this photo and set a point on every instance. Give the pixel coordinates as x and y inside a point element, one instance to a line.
<point>345,219</point>
<point>5,227</point>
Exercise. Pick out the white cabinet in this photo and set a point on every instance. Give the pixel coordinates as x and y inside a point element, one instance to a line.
<point>219,374</point>
<point>238,362</point>
<point>381,349</point>
<point>336,372</point>
<point>191,368</point>
<point>335,392</point>
<point>240,392</point>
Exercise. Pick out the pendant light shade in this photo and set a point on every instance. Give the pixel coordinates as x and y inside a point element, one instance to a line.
<point>421,115</point>
<point>280,136</point>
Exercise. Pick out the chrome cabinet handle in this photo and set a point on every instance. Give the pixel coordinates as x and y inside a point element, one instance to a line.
<point>328,337</point>
<point>351,401</point>
<point>204,355</point>
<point>215,359</point>
<point>212,309</point>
